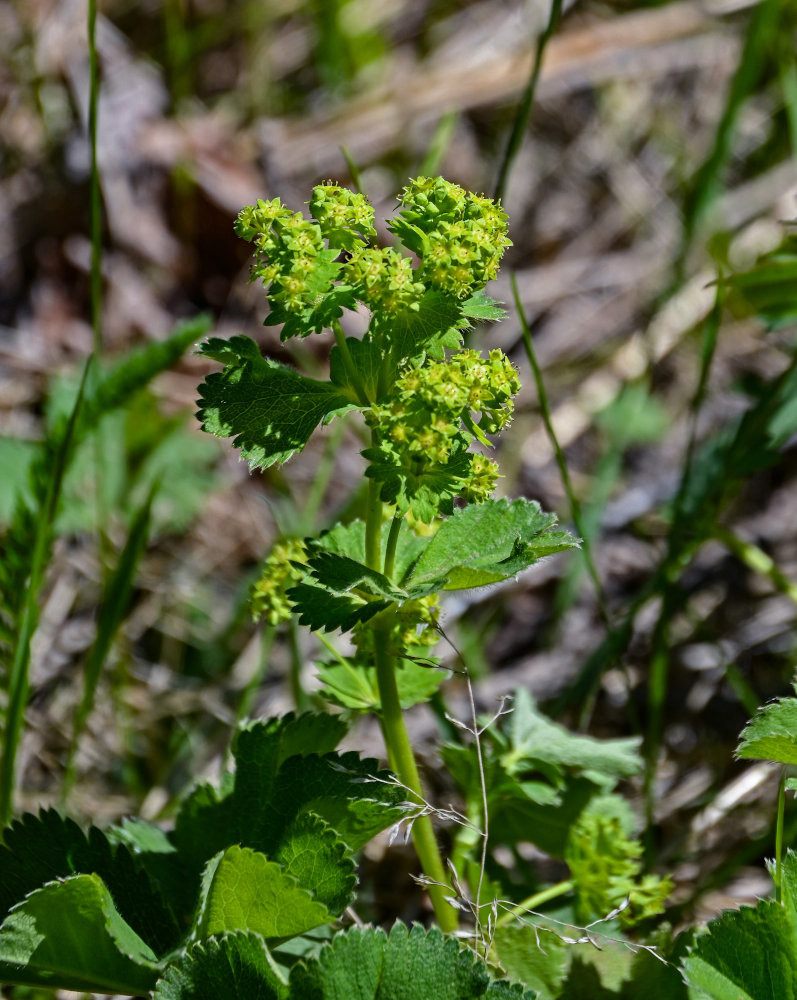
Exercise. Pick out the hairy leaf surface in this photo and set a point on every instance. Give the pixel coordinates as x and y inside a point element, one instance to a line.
<point>747,954</point>
<point>268,409</point>
<point>487,542</point>
<point>771,734</point>
<point>407,964</point>
<point>229,967</point>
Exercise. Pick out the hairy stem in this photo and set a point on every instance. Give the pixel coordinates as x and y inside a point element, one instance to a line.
<point>402,761</point>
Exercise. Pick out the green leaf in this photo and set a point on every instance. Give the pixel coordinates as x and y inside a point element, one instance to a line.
<point>533,955</point>
<point>328,304</point>
<point>349,540</point>
<point>38,849</point>
<point>412,964</point>
<point>312,852</point>
<point>539,776</point>
<point>431,328</point>
<point>487,542</point>
<point>317,608</point>
<point>243,890</point>
<point>353,686</point>
<point>481,307</point>
<point>342,574</point>
<point>68,934</point>
<point>535,741</point>
<point>772,734</point>
<point>268,797</point>
<point>230,967</point>
<point>747,954</point>
<point>268,409</point>
<point>367,358</point>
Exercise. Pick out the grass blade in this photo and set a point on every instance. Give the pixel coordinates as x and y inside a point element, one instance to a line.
<point>48,475</point>
<point>760,42</point>
<point>113,608</point>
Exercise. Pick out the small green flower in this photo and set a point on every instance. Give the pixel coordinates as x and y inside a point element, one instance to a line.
<point>267,598</point>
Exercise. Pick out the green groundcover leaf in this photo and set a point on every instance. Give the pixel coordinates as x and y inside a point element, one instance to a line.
<point>242,890</point>
<point>38,849</point>
<point>349,540</point>
<point>772,734</point>
<point>230,967</point>
<point>534,956</point>
<point>269,410</point>
<point>747,954</point>
<point>293,800</point>
<point>487,542</point>
<point>367,358</point>
<point>406,964</point>
<point>539,776</point>
<point>317,608</point>
<point>70,935</point>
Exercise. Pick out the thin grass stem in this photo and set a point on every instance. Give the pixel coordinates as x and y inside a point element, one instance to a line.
<point>524,111</point>
<point>561,461</point>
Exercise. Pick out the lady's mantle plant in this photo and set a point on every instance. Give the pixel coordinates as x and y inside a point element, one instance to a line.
<point>430,524</point>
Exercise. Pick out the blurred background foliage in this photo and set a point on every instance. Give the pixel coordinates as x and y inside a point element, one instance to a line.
<point>659,156</point>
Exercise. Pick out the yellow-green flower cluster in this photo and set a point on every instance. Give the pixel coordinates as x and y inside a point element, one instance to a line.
<point>267,597</point>
<point>384,280</point>
<point>605,865</point>
<point>425,428</point>
<point>291,258</point>
<point>341,214</point>
<point>460,237</point>
<point>430,402</point>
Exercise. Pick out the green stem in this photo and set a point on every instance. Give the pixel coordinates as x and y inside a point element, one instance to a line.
<point>544,896</point>
<point>779,836</point>
<point>348,363</point>
<point>402,761</point>
<point>392,543</point>
<point>373,523</point>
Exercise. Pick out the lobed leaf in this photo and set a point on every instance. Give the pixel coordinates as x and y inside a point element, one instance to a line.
<point>368,361</point>
<point>314,854</point>
<point>243,891</point>
<point>771,734</point>
<point>481,307</point>
<point>268,409</point>
<point>487,542</point>
<point>747,954</point>
<point>431,328</point>
<point>317,608</point>
<point>367,964</point>
<point>349,540</point>
<point>38,849</point>
<point>229,967</point>
<point>69,934</point>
